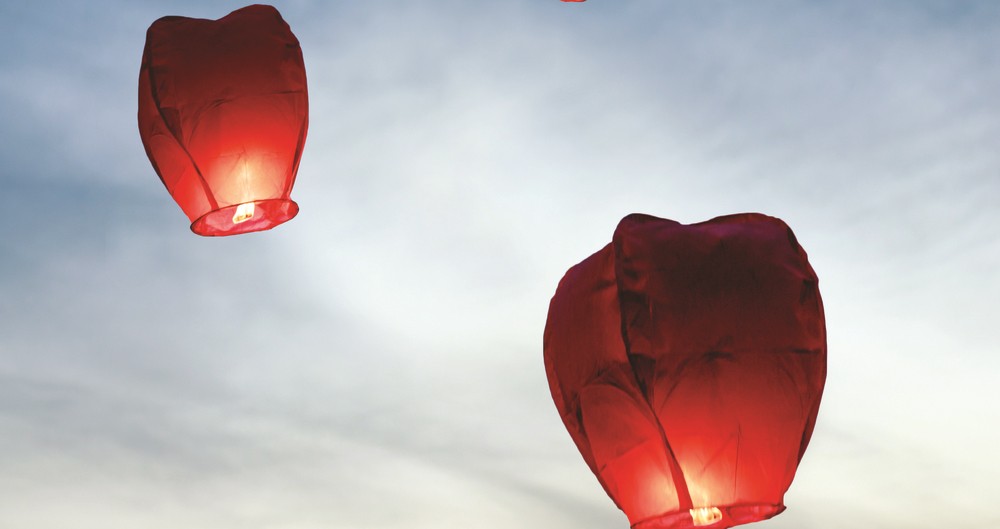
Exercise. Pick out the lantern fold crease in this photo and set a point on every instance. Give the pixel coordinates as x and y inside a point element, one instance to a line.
<point>688,363</point>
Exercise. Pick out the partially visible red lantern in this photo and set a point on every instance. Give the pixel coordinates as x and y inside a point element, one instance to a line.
<point>223,114</point>
<point>688,363</point>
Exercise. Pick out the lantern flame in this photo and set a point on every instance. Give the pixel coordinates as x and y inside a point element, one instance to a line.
<point>244,212</point>
<point>706,515</point>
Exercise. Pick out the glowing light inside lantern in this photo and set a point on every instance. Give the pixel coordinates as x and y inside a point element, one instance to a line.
<point>243,212</point>
<point>706,515</point>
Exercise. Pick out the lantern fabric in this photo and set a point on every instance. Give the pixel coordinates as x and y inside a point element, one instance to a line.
<point>688,363</point>
<point>223,114</point>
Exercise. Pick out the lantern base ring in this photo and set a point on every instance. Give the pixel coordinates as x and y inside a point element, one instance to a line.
<point>254,215</point>
<point>732,515</point>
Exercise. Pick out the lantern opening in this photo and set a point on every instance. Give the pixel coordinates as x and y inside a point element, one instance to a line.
<point>715,517</point>
<point>242,218</point>
<point>706,515</point>
<point>244,212</point>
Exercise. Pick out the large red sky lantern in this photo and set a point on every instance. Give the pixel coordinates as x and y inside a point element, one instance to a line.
<point>223,114</point>
<point>688,363</point>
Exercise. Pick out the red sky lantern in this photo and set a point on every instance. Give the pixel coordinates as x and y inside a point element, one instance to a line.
<point>688,363</point>
<point>223,113</point>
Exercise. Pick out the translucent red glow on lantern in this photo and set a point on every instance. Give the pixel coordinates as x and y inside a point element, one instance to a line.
<point>223,114</point>
<point>688,363</point>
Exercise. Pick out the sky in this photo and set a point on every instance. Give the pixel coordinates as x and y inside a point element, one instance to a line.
<point>377,361</point>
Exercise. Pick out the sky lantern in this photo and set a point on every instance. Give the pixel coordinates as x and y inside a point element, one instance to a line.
<point>223,113</point>
<point>688,363</point>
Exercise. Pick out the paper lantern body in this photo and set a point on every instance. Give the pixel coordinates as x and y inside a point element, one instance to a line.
<point>687,363</point>
<point>223,114</point>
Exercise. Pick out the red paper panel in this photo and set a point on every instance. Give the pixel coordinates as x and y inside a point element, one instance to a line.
<point>688,363</point>
<point>223,114</point>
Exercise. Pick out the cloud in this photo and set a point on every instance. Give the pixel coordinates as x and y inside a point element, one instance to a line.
<point>376,362</point>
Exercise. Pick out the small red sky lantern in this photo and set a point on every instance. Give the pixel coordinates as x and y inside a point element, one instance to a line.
<point>688,363</point>
<point>223,113</point>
